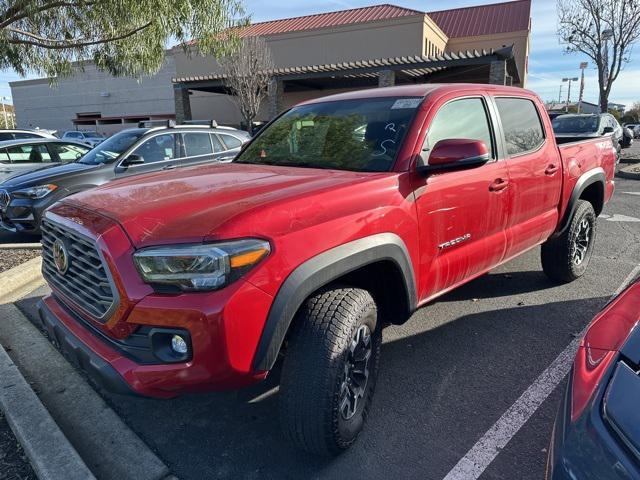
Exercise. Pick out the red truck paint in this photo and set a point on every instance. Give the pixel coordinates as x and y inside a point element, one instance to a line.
<point>304,212</point>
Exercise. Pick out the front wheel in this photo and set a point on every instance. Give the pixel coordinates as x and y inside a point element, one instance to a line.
<point>330,370</point>
<point>567,257</point>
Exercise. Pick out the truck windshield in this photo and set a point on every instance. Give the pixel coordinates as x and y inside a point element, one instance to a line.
<point>359,135</point>
<point>576,124</point>
<point>111,148</point>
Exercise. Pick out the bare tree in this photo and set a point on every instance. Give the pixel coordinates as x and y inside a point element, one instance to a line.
<point>605,31</point>
<point>247,74</point>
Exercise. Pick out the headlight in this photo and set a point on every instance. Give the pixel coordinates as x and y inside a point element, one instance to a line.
<point>34,193</point>
<point>200,267</point>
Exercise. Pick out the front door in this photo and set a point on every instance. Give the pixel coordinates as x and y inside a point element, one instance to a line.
<point>462,214</point>
<point>159,152</point>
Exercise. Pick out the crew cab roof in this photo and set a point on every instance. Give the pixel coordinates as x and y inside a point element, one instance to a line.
<point>419,90</point>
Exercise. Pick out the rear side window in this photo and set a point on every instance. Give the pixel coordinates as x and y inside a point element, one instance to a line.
<point>230,141</point>
<point>460,119</point>
<point>6,136</point>
<point>29,154</point>
<point>521,124</point>
<point>197,144</point>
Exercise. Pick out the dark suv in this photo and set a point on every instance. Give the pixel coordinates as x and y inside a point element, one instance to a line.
<point>23,198</point>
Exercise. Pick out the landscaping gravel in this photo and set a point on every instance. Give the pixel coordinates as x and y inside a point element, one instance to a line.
<point>13,258</point>
<point>14,464</point>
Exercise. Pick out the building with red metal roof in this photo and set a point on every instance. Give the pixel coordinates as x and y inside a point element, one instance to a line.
<point>316,55</point>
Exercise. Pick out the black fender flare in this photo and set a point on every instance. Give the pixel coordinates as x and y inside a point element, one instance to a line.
<point>587,179</point>
<point>320,271</point>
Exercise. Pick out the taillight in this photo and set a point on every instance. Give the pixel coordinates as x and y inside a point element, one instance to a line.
<point>589,367</point>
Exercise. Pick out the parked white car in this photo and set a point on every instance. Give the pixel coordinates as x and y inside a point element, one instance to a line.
<point>23,134</point>
<point>89,138</point>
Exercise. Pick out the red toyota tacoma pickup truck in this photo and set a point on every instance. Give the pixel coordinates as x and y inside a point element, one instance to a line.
<point>345,214</point>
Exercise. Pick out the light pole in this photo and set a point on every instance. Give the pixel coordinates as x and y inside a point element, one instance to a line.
<point>560,93</point>
<point>4,111</point>
<point>583,65</point>
<point>569,90</point>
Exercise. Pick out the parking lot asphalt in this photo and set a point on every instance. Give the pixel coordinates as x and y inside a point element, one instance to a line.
<point>446,377</point>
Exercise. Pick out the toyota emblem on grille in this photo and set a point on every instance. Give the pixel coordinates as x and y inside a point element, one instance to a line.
<point>60,256</point>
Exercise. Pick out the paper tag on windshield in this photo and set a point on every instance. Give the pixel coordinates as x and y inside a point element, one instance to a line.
<point>406,103</point>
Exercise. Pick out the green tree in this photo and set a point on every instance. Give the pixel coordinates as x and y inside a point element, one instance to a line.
<point>123,37</point>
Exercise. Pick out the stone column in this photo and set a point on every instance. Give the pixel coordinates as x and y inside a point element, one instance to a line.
<point>182,102</point>
<point>386,78</point>
<point>276,97</point>
<point>498,72</point>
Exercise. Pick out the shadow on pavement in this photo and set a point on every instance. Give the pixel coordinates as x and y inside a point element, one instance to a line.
<point>439,390</point>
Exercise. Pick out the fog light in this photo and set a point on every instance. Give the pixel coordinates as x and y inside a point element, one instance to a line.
<point>179,345</point>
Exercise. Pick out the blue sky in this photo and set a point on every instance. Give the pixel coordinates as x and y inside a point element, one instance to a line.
<point>547,64</point>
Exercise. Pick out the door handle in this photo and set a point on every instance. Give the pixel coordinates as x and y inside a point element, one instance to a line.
<point>498,185</point>
<point>169,167</point>
<point>551,169</point>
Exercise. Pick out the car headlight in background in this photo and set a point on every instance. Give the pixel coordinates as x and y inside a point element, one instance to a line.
<point>35,193</point>
<point>200,267</point>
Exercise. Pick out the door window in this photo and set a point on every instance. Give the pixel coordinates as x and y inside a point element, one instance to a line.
<point>461,119</point>
<point>4,158</point>
<point>29,154</point>
<point>217,144</point>
<point>521,124</point>
<point>230,141</point>
<point>198,143</point>
<point>68,152</point>
<point>158,148</point>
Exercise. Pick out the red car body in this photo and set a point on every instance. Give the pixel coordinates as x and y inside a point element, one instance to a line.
<point>499,211</point>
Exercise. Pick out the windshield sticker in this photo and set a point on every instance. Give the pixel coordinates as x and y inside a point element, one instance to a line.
<point>406,103</point>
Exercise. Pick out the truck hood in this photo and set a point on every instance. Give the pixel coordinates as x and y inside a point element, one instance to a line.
<point>194,203</point>
<point>46,175</point>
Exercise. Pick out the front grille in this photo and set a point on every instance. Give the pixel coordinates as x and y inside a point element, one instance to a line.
<point>86,281</point>
<point>5,198</point>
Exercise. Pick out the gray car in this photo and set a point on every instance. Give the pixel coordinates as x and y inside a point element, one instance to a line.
<point>24,198</point>
<point>22,156</point>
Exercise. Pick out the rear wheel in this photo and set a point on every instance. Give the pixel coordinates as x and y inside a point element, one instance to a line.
<point>567,257</point>
<point>330,370</point>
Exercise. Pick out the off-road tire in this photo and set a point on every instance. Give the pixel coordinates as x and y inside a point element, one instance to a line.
<point>314,369</point>
<point>557,254</point>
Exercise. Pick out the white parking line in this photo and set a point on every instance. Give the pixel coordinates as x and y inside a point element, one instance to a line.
<point>476,461</point>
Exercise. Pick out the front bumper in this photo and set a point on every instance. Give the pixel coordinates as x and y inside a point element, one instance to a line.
<point>24,215</point>
<point>221,353</point>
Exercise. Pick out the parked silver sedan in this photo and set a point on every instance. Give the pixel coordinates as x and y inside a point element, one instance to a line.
<point>22,156</point>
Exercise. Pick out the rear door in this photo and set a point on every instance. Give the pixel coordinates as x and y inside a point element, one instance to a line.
<point>197,148</point>
<point>462,214</point>
<point>535,173</point>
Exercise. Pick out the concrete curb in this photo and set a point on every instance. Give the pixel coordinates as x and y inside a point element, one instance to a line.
<point>111,450</point>
<point>18,281</point>
<point>631,172</point>
<point>20,246</point>
<point>49,451</point>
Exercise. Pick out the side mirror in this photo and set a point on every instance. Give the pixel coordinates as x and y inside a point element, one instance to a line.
<point>133,159</point>
<point>607,130</point>
<point>455,154</point>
